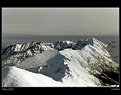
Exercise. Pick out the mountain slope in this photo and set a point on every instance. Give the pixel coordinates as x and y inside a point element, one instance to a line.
<point>80,63</point>
<point>15,77</point>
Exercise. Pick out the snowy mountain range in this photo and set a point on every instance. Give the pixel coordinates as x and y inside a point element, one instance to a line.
<point>82,63</point>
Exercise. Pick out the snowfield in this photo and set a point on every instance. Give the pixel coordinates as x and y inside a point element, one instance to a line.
<point>15,77</point>
<point>85,63</point>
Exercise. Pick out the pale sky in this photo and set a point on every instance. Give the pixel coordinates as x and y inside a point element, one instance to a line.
<point>61,21</point>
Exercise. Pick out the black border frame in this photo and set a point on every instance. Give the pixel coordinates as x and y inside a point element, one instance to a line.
<point>61,4</point>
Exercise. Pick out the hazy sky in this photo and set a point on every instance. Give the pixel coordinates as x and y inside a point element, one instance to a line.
<point>61,21</point>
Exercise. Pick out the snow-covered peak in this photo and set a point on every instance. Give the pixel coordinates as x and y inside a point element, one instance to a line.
<point>25,50</point>
<point>98,43</point>
<point>64,63</point>
<point>59,45</point>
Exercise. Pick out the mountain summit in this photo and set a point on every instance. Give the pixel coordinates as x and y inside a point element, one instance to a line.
<point>62,63</point>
